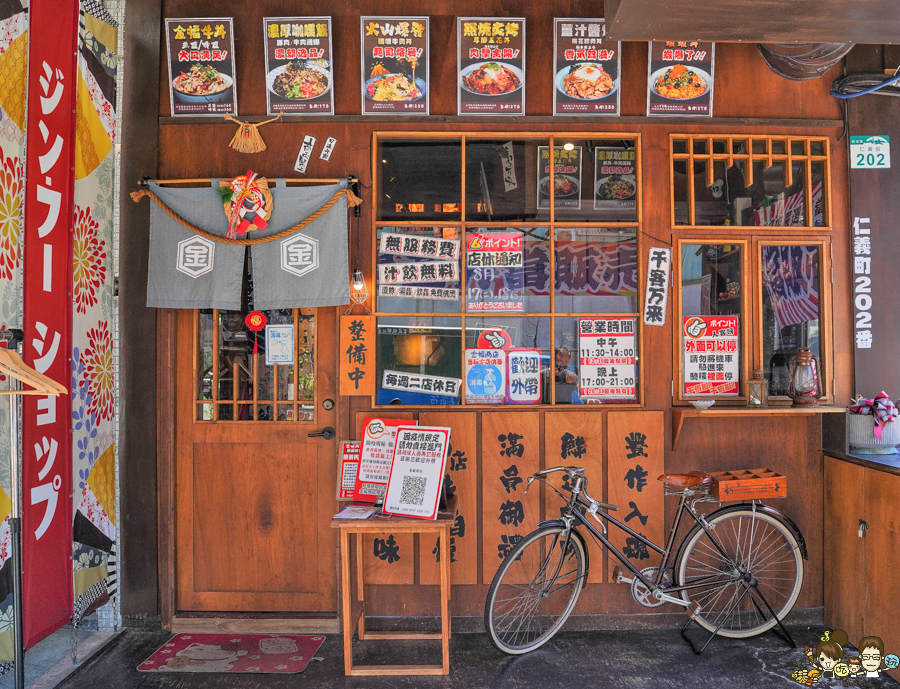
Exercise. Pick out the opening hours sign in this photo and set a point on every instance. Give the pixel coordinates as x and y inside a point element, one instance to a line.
<point>607,358</point>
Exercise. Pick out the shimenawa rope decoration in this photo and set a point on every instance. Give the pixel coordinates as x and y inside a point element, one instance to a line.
<point>247,138</point>
<point>352,201</point>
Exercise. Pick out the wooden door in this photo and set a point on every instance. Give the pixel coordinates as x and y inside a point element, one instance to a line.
<point>255,495</point>
<point>844,564</point>
<point>882,607</point>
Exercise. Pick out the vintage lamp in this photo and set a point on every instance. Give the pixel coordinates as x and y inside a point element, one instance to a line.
<point>758,390</point>
<point>805,385</point>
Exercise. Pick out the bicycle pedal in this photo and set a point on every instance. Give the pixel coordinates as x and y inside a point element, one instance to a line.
<point>619,576</point>
<point>693,609</point>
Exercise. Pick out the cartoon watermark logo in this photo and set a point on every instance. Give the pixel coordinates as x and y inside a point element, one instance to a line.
<point>826,661</point>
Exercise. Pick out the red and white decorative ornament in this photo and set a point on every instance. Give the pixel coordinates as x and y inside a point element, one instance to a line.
<point>255,321</point>
<point>250,205</point>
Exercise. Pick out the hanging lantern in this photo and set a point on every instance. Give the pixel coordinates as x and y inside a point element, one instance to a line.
<point>805,386</point>
<point>255,321</point>
<point>758,390</point>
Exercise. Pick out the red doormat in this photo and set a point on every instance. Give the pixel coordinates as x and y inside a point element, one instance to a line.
<point>254,653</point>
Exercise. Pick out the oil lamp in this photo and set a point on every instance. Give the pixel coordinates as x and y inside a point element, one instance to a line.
<point>758,390</point>
<point>805,385</point>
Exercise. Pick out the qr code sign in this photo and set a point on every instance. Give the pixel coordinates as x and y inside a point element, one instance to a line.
<point>413,490</point>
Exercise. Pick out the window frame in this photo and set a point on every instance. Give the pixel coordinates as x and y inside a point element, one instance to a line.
<point>549,223</point>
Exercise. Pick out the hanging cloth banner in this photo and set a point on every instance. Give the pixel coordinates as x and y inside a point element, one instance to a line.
<point>299,260</point>
<point>310,267</point>
<point>49,201</point>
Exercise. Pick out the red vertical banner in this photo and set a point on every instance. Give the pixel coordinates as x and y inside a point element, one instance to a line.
<point>46,443</point>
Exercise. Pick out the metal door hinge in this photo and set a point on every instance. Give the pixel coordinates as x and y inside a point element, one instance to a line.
<point>116,286</point>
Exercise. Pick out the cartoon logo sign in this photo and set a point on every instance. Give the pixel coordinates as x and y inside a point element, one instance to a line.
<point>494,338</point>
<point>695,327</point>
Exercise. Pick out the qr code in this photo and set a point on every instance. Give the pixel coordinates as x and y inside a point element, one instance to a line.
<point>413,490</point>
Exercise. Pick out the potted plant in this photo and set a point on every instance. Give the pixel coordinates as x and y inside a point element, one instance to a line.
<point>873,427</point>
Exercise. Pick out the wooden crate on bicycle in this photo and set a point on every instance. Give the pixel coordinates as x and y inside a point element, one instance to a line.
<point>748,484</point>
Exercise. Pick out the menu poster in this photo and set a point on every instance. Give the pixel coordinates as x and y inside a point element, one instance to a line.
<point>524,379</point>
<point>615,178</point>
<point>417,472</point>
<point>566,177</point>
<point>491,66</point>
<point>299,76</point>
<point>349,469</point>
<point>607,356</point>
<point>201,67</point>
<point>586,73</point>
<point>395,65</point>
<point>375,457</point>
<point>711,354</point>
<point>680,81</point>
<point>495,272</point>
<point>485,376</point>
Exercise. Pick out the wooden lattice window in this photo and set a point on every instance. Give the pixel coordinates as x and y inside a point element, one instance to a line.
<point>777,182</point>
<point>234,383</point>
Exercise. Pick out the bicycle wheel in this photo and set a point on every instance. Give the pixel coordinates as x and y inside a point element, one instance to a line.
<point>757,546</point>
<point>526,604</point>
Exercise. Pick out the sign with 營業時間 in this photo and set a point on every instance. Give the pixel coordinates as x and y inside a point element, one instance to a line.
<point>607,358</point>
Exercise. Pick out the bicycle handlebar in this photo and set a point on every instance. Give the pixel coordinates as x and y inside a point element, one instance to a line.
<point>572,472</point>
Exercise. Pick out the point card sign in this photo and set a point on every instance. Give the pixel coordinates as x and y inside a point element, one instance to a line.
<point>712,364</point>
<point>299,76</point>
<point>495,272</point>
<point>607,355</point>
<point>395,65</point>
<point>417,472</point>
<point>201,67</point>
<point>586,70</point>
<point>615,179</point>
<point>566,177</point>
<point>485,376</point>
<point>524,376</point>
<point>376,453</point>
<point>680,80</point>
<point>349,469</point>
<point>491,66</point>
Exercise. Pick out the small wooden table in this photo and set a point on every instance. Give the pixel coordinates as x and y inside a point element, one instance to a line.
<point>356,612</point>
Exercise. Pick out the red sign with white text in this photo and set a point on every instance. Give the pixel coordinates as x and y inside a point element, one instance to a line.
<point>49,195</point>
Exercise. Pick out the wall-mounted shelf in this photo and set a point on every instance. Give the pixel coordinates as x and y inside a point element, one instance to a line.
<point>682,413</point>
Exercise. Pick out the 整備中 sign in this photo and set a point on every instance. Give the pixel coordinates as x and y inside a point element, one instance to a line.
<point>357,355</point>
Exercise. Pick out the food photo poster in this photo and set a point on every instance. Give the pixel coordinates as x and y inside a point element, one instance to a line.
<point>395,66</point>
<point>299,71</point>
<point>201,67</point>
<point>586,69</point>
<point>680,79</point>
<point>491,66</point>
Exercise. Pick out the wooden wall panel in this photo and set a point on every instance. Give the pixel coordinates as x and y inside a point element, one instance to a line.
<point>510,453</point>
<point>462,472</point>
<point>575,438</point>
<point>384,568</point>
<point>635,450</point>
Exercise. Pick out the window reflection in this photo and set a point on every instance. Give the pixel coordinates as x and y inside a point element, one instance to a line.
<point>790,299</point>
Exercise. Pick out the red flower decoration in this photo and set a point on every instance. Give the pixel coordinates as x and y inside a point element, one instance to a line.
<point>256,321</point>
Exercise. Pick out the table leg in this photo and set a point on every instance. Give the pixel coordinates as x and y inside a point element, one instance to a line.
<point>360,585</point>
<point>445,599</point>
<point>345,600</point>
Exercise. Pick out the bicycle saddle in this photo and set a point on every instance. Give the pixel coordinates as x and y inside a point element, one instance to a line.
<point>694,478</point>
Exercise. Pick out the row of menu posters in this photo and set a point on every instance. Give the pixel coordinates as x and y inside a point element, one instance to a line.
<point>395,68</point>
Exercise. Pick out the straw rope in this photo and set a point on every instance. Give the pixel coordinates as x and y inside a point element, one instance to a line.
<point>352,200</point>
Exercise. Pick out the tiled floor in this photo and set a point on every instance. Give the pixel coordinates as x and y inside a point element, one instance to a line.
<point>657,659</point>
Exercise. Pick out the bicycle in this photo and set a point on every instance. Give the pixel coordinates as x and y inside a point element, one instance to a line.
<point>731,572</point>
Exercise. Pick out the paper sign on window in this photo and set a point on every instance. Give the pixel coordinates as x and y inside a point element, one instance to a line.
<point>485,376</point>
<point>524,376</point>
<point>417,472</point>
<point>376,453</point>
<point>711,355</point>
<point>349,469</point>
<point>607,358</point>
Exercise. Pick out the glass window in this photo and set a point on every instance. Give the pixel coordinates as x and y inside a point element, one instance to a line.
<point>595,180</point>
<point>420,180</point>
<point>234,382</point>
<point>507,360</point>
<point>418,361</point>
<point>507,270</point>
<point>790,308</point>
<point>712,318</point>
<point>596,270</point>
<point>502,181</point>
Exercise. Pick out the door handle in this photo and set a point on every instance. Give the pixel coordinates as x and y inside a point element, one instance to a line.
<point>327,433</point>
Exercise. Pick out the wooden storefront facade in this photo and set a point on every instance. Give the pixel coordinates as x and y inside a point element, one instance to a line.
<point>243,505</point>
